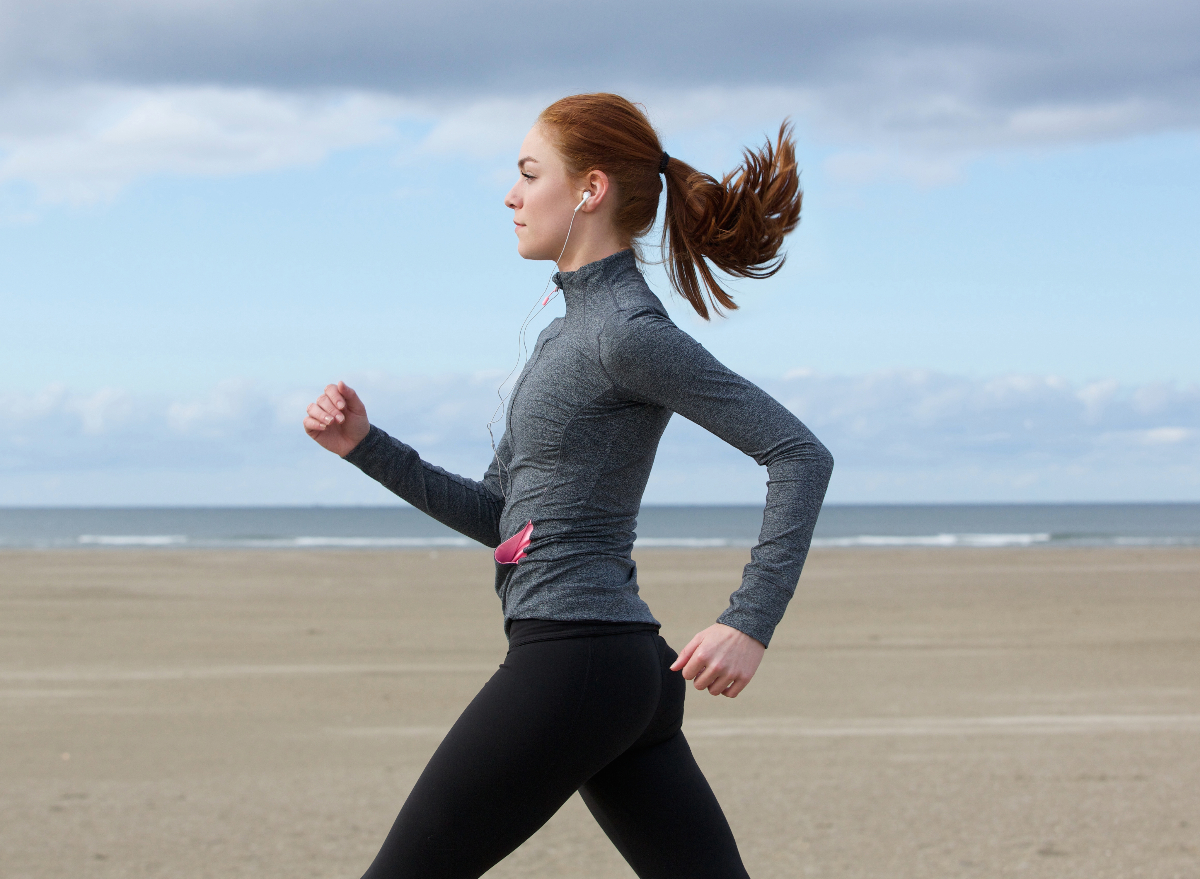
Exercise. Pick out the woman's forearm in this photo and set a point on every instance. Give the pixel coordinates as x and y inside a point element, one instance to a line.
<point>797,478</point>
<point>467,506</point>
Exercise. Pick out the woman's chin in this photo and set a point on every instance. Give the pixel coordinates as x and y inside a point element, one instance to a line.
<point>527,252</point>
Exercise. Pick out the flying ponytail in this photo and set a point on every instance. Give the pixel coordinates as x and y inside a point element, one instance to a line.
<point>737,224</point>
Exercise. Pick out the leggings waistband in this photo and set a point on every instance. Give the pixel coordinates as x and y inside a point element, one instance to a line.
<point>521,632</point>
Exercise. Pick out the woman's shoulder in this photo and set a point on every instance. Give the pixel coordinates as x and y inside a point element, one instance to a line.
<point>631,299</point>
<point>634,316</point>
<point>641,340</point>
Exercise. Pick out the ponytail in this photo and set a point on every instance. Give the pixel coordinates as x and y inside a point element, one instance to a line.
<point>738,224</point>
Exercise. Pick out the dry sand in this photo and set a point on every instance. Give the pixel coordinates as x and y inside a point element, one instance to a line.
<point>943,713</point>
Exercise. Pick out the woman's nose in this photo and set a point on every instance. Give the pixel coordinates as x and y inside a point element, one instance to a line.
<point>510,200</point>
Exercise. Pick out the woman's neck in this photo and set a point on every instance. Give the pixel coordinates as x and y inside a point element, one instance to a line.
<point>590,248</point>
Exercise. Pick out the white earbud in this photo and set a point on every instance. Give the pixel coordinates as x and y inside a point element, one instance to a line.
<point>582,201</point>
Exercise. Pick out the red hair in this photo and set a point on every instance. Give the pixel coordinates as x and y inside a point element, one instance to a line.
<point>737,224</point>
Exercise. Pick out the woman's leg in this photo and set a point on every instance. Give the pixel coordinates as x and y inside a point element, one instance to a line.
<point>655,804</point>
<point>657,808</point>
<point>550,717</point>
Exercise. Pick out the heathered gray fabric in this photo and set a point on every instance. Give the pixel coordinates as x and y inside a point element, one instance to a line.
<point>584,421</point>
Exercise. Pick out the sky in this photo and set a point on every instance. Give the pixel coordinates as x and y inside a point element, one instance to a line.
<point>210,209</point>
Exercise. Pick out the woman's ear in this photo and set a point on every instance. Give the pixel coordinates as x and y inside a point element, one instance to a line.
<point>597,186</point>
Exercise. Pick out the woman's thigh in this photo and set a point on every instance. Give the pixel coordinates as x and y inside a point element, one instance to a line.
<point>656,805</point>
<point>551,716</point>
<point>659,811</point>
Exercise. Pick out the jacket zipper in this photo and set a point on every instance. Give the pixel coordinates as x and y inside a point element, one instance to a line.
<point>537,352</point>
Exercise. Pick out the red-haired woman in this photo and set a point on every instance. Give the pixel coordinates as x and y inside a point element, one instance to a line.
<point>589,697</point>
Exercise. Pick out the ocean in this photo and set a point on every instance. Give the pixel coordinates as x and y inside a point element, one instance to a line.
<point>848,525</point>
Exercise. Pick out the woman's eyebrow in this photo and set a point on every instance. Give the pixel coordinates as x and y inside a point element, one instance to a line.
<point>521,162</point>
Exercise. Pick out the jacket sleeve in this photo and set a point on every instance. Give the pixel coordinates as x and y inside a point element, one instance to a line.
<point>469,507</point>
<point>653,360</point>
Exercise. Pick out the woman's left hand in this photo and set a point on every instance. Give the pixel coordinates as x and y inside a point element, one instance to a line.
<point>720,659</point>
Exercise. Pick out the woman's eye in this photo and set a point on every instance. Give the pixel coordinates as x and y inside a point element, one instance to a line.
<point>526,175</point>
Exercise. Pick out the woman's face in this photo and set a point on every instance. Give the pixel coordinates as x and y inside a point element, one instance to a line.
<point>543,198</point>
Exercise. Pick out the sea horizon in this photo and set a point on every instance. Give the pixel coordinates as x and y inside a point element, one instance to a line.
<point>1168,523</point>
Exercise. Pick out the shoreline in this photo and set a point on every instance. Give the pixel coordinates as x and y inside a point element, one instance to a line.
<point>669,527</point>
<point>1047,546</point>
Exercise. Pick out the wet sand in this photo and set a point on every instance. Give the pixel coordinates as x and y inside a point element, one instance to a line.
<point>941,713</point>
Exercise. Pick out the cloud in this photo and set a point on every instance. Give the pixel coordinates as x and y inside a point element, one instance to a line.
<point>898,435</point>
<point>482,129</point>
<point>1020,52</point>
<point>924,417</point>
<point>1166,436</point>
<point>905,87</point>
<point>84,144</point>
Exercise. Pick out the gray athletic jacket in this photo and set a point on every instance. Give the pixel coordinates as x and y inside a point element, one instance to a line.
<point>583,424</point>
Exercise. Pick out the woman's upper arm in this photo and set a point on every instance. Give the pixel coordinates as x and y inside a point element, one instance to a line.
<point>652,359</point>
<point>656,361</point>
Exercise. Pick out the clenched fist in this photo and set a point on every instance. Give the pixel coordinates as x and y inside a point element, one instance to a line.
<point>337,420</point>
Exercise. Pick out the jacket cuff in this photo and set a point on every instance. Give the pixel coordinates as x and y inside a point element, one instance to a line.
<point>756,610</point>
<point>367,447</point>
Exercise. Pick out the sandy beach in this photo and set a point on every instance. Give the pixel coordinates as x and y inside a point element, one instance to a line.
<point>921,713</point>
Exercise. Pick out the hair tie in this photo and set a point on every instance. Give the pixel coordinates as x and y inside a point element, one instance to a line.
<point>662,163</point>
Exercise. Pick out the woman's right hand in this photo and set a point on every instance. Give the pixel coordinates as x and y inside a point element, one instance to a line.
<point>338,419</point>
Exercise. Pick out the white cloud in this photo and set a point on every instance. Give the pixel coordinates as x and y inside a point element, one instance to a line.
<point>900,435</point>
<point>94,95</point>
<point>235,408</point>
<point>920,415</point>
<point>81,145</point>
<point>1096,396</point>
<point>482,129</point>
<point>100,412</point>
<point>1166,436</point>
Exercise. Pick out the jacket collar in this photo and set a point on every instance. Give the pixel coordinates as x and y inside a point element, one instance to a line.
<point>574,285</point>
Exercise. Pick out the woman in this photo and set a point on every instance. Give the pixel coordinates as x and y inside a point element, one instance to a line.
<point>589,697</point>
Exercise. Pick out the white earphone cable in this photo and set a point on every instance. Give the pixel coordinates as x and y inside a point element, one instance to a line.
<point>522,349</point>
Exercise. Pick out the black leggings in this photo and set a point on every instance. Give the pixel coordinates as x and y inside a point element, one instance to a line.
<point>598,714</point>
